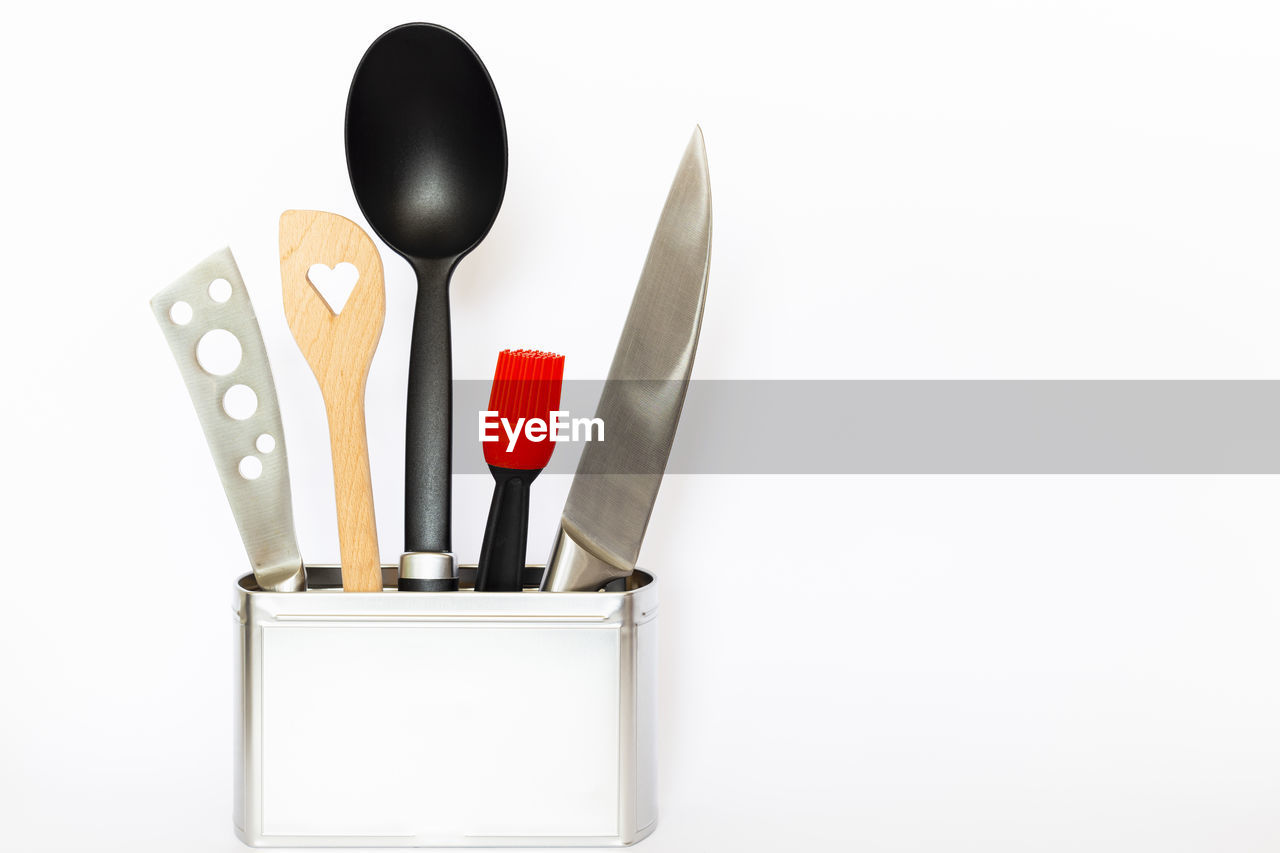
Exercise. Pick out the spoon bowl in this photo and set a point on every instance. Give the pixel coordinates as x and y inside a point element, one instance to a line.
<point>426,143</point>
<point>427,155</point>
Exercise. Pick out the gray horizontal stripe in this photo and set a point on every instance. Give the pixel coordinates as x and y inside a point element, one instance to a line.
<point>941,427</point>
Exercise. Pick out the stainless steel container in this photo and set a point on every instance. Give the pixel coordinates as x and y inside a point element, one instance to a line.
<point>445,719</point>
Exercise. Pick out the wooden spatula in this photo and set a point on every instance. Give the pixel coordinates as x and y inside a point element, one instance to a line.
<point>339,348</point>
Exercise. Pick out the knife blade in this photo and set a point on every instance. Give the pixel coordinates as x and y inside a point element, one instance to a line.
<point>248,448</point>
<point>617,481</point>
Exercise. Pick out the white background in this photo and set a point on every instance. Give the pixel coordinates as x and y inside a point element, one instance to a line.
<point>902,190</point>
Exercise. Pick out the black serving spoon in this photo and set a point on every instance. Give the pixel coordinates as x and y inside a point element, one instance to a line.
<point>427,156</point>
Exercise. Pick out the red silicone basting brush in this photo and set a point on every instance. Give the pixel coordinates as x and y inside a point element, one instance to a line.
<point>526,390</point>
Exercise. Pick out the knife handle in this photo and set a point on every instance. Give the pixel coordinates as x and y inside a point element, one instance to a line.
<point>573,568</point>
<point>502,553</point>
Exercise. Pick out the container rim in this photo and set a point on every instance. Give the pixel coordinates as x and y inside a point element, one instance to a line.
<point>326,578</point>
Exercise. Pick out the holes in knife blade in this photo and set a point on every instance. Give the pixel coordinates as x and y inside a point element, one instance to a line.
<point>251,467</point>
<point>265,443</point>
<point>218,352</point>
<point>220,290</point>
<point>240,402</point>
<point>180,313</point>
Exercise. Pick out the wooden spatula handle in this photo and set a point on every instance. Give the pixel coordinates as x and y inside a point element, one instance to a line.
<point>353,491</point>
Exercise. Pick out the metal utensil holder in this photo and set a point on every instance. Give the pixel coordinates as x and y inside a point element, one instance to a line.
<point>445,719</point>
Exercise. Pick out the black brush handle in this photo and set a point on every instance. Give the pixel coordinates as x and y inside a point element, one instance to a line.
<point>428,442</point>
<point>501,565</point>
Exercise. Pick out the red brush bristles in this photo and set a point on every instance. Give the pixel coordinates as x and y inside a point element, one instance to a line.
<point>526,385</point>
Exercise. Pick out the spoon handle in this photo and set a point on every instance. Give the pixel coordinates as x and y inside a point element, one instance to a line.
<point>428,460</point>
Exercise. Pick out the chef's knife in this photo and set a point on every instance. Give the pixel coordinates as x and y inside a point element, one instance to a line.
<point>613,491</point>
<point>236,403</point>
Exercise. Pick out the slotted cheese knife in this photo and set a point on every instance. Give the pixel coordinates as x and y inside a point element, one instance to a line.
<point>247,442</point>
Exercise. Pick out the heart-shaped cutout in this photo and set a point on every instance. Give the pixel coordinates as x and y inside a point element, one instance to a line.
<point>334,284</point>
